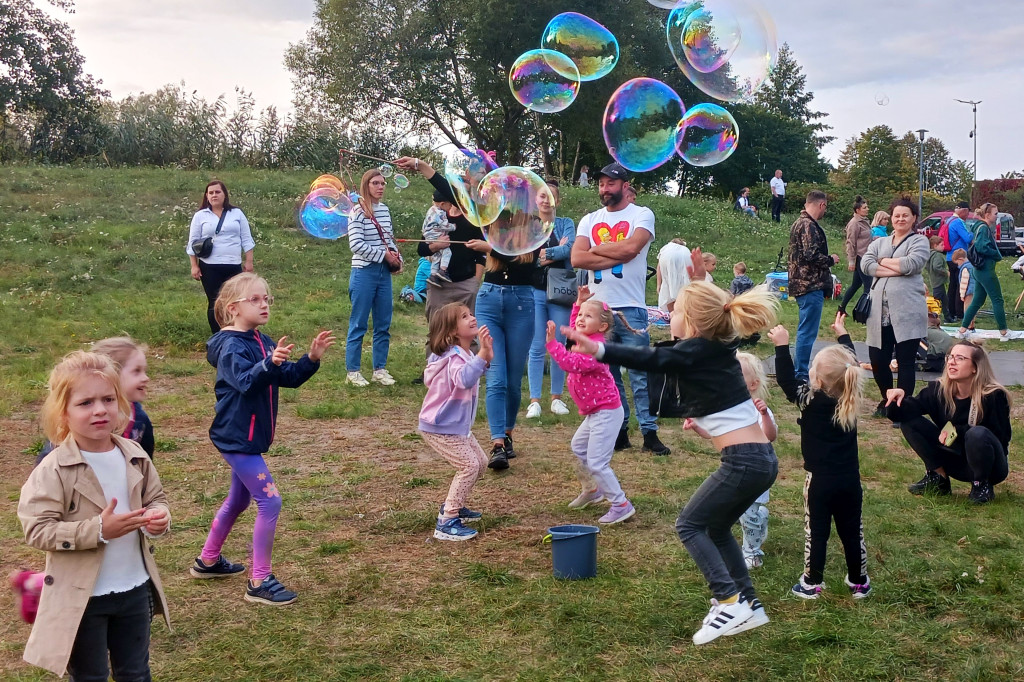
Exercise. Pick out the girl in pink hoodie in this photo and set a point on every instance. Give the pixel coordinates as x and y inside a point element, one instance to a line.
<point>452,378</point>
<point>593,390</point>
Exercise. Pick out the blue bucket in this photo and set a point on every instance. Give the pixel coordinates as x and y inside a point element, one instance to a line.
<point>778,284</point>
<point>574,551</point>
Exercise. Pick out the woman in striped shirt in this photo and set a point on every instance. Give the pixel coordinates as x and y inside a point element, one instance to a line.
<point>372,240</point>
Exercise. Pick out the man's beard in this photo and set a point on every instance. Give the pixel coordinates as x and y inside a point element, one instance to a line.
<point>611,199</point>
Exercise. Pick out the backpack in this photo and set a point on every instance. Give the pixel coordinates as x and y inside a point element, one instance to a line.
<point>944,235</point>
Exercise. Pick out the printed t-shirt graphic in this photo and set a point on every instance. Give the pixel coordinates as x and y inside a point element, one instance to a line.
<point>625,288</point>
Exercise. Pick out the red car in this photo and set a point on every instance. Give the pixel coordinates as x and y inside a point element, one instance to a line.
<point>1005,236</point>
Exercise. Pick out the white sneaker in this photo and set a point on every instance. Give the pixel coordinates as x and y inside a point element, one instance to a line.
<point>558,407</point>
<point>757,619</point>
<point>381,376</point>
<point>753,562</point>
<point>357,379</point>
<point>533,411</point>
<point>722,619</point>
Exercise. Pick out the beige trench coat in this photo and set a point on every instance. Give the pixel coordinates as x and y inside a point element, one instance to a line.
<point>60,511</point>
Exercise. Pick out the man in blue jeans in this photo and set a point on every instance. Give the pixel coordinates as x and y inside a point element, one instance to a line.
<point>810,275</point>
<point>612,243</point>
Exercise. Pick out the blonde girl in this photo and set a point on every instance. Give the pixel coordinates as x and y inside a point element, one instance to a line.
<point>829,401</point>
<point>708,323</point>
<point>90,506</point>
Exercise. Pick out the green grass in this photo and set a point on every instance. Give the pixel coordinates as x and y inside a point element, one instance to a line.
<point>90,253</point>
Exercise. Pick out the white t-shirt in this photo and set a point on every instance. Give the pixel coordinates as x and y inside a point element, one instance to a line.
<point>624,285</point>
<point>122,567</point>
<point>778,186</point>
<point>673,259</point>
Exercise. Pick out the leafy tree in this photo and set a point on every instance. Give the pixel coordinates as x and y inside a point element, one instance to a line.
<point>875,161</point>
<point>785,93</point>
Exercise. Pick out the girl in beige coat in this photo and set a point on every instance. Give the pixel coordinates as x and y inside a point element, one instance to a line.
<point>91,514</point>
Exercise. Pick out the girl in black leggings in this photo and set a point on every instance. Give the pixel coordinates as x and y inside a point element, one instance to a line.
<point>958,425</point>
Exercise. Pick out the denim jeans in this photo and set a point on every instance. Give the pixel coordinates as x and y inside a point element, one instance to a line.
<point>507,312</point>
<point>810,305</point>
<point>705,523</point>
<point>117,623</point>
<point>637,318</point>
<point>542,312</point>
<point>986,284</point>
<point>369,289</point>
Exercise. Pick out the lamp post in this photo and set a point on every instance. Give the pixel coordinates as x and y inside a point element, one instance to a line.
<point>920,176</point>
<point>974,136</point>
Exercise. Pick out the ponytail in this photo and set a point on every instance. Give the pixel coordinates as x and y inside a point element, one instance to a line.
<point>716,314</point>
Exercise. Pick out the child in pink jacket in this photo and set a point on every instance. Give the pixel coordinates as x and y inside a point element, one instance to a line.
<point>593,390</point>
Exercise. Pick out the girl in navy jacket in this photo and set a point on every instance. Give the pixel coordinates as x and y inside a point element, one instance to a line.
<point>250,369</point>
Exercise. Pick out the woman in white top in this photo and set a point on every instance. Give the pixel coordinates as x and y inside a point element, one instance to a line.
<point>230,243</point>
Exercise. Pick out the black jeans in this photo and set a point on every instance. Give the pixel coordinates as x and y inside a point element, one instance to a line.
<point>778,203</point>
<point>118,623</point>
<point>906,356</point>
<point>976,455</point>
<point>213,277</point>
<point>859,280</point>
<point>956,304</point>
<point>837,497</point>
<point>939,294</point>
<point>705,523</point>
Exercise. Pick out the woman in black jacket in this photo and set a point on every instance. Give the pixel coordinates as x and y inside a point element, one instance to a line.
<point>967,432</point>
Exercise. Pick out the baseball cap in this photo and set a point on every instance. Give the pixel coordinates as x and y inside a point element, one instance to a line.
<point>962,204</point>
<point>615,171</point>
<point>439,197</point>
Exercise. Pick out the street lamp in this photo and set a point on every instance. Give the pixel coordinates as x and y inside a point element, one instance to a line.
<point>920,176</point>
<point>974,136</point>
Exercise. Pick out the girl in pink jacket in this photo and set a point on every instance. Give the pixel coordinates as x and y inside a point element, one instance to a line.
<point>593,390</point>
<point>452,378</point>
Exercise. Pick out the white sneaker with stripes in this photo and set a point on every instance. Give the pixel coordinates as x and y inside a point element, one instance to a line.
<point>721,619</point>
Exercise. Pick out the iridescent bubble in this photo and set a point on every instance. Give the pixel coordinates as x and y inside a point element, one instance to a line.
<point>464,172</point>
<point>401,182</point>
<point>710,135</point>
<point>544,81</point>
<point>590,46</point>
<point>327,180</point>
<point>749,62</point>
<point>881,99</point>
<point>643,124</point>
<point>523,207</point>
<point>386,169</point>
<point>325,212</point>
<point>710,39</point>
<point>665,4</point>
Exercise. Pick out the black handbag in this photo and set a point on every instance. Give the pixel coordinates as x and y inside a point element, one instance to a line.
<point>202,248</point>
<point>862,310</point>
<point>663,391</point>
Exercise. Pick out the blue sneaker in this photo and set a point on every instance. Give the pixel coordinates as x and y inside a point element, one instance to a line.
<point>804,590</point>
<point>452,529</point>
<point>465,513</point>
<point>270,592</point>
<point>222,568</point>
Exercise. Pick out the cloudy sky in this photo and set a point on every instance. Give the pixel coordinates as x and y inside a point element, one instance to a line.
<point>920,55</point>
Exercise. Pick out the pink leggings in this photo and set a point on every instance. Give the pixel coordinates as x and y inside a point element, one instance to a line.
<point>469,460</point>
<point>250,479</point>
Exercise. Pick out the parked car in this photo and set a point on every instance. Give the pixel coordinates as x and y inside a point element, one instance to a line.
<point>1006,236</point>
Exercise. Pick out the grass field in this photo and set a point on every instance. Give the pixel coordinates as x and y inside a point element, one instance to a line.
<point>89,253</point>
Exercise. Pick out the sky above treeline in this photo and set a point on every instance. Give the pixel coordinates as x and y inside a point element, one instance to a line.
<point>919,56</point>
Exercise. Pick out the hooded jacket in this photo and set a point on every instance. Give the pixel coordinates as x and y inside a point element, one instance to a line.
<point>247,387</point>
<point>453,382</point>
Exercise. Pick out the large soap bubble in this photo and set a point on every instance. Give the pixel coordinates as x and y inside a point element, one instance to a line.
<point>710,135</point>
<point>523,207</point>
<point>325,212</point>
<point>666,4</point>
<point>464,171</point>
<point>591,46</point>
<point>544,81</point>
<point>643,124</point>
<point>739,54</point>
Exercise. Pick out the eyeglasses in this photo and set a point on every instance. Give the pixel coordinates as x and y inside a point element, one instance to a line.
<point>256,300</point>
<point>957,358</point>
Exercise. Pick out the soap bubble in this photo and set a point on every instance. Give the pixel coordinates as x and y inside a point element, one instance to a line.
<point>464,172</point>
<point>643,124</point>
<point>590,46</point>
<point>881,99</point>
<point>523,207</point>
<point>666,4</point>
<point>401,182</point>
<point>710,135</point>
<point>324,213</point>
<point>750,60</point>
<point>327,180</point>
<point>386,169</point>
<point>544,81</point>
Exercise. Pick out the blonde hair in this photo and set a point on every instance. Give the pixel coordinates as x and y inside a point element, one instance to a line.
<point>119,349</point>
<point>836,373</point>
<point>63,379</point>
<point>715,314</point>
<point>751,364</point>
<point>606,315</point>
<point>235,288</point>
<point>984,381</point>
<point>740,268</point>
<point>364,191</point>
<point>879,216</point>
<point>444,327</point>
<point>983,210</point>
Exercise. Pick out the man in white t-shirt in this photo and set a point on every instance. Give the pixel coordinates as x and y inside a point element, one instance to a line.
<point>673,259</point>
<point>612,243</point>
<point>778,196</point>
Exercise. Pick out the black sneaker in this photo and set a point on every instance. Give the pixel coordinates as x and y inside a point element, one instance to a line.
<point>418,381</point>
<point>435,281</point>
<point>981,492</point>
<point>653,444</point>
<point>510,450</point>
<point>270,592</point>
<point>499,458</point>
<point>622,442</point>
<point>880,411</point>
<point>931,483</point>
<point>222,568</point>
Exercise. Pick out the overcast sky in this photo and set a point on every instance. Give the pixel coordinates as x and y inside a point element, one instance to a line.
<point>919,54</point>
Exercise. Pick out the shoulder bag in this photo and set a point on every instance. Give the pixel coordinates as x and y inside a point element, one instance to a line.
<point>977,260</point>
<point>395,269</point>
<point>202,248</point>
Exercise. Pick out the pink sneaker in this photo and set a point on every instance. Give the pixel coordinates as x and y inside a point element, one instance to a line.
<point>618,513</point>
<point>27,586</point>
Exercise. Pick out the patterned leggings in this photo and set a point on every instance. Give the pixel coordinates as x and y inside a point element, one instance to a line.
<point>250,479</point>
<point>465,454</point>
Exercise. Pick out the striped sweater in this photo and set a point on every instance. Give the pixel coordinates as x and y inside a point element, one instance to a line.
<point>364,239</point>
